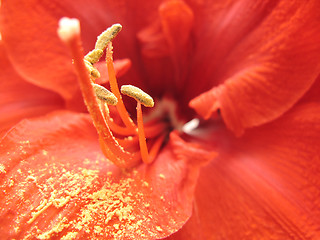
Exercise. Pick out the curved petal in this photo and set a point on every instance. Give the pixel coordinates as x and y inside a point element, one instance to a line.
<point>265,185</point>
<point>314,92</point>
<point>29,28</point>
<point>29,34</point>
<point>20,99</point>
<point>270,62</point>
<point>166,48</point>
<point>55,183</point>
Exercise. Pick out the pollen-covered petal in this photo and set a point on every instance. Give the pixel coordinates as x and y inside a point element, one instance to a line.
<point>20,99</point>
<point>55,183</point>
<point>264,185</point>
<point>269,62</point>
<point>174,174</point>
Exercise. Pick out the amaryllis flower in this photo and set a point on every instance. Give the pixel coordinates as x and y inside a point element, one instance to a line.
<point>230,149</point>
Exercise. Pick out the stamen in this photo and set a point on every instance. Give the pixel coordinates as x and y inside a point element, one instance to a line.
<point>102,42</point>
<point>105,95</point>
<point>142,138</point>
<point>107,36</point>
<point>120,148</point>
<point>71,36</point>
<point>114,126</point>
<point>115,90</point>
<point>142,98</point>
<point>92,58</point>
<point>129,141</point>
<point>119,129</point>
<point>138,95</point>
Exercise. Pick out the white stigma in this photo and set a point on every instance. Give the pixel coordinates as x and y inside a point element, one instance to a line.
<point>68,28</point>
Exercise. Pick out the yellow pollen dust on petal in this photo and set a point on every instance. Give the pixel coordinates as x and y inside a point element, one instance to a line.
<point>138,95</point>
<point>105,95</point>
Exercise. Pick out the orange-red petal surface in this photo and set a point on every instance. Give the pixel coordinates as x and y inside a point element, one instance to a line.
<point>29,34</point>
<point>268,58</point>
<point>29,28</point>
<point>55,183</point>
<point>166,48</point>
<point>264,185</point>
<point>314,92</point>
<point>20,99</point>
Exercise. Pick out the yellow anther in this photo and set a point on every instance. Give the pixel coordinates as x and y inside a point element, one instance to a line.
<point>138,95</point>
<point>102,42</point>
<point>94,56</point>
<point>105,95</point>
<point>93,71</point>
<point>107,36</point>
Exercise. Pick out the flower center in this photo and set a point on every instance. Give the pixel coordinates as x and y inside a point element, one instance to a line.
<point>124,142</point>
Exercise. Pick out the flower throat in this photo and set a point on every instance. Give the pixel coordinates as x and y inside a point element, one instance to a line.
<point>124,144</point>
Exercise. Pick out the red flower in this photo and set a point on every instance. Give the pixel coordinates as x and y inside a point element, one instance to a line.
<point>255,63</point>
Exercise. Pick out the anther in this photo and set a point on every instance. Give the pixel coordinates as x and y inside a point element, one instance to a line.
<point>94,56</point>
<point>138,95</point>
<point>107,36</point>
<point>105,95</point>
<point>102,42</point>
<point>92,70</point>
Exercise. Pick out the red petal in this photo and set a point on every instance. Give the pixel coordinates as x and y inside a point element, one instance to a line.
<point>20,99</point>
<point>121,66</point>
<point>265,71</point>
<point>29,33</point>
<point>177,21</point>
<point>55,183</point>
<point>166,47</point>
<point>314,92</point>
<point>29,28</point>
<point>265,185</point>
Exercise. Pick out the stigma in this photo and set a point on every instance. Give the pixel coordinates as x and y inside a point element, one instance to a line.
<point>124,142</point>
